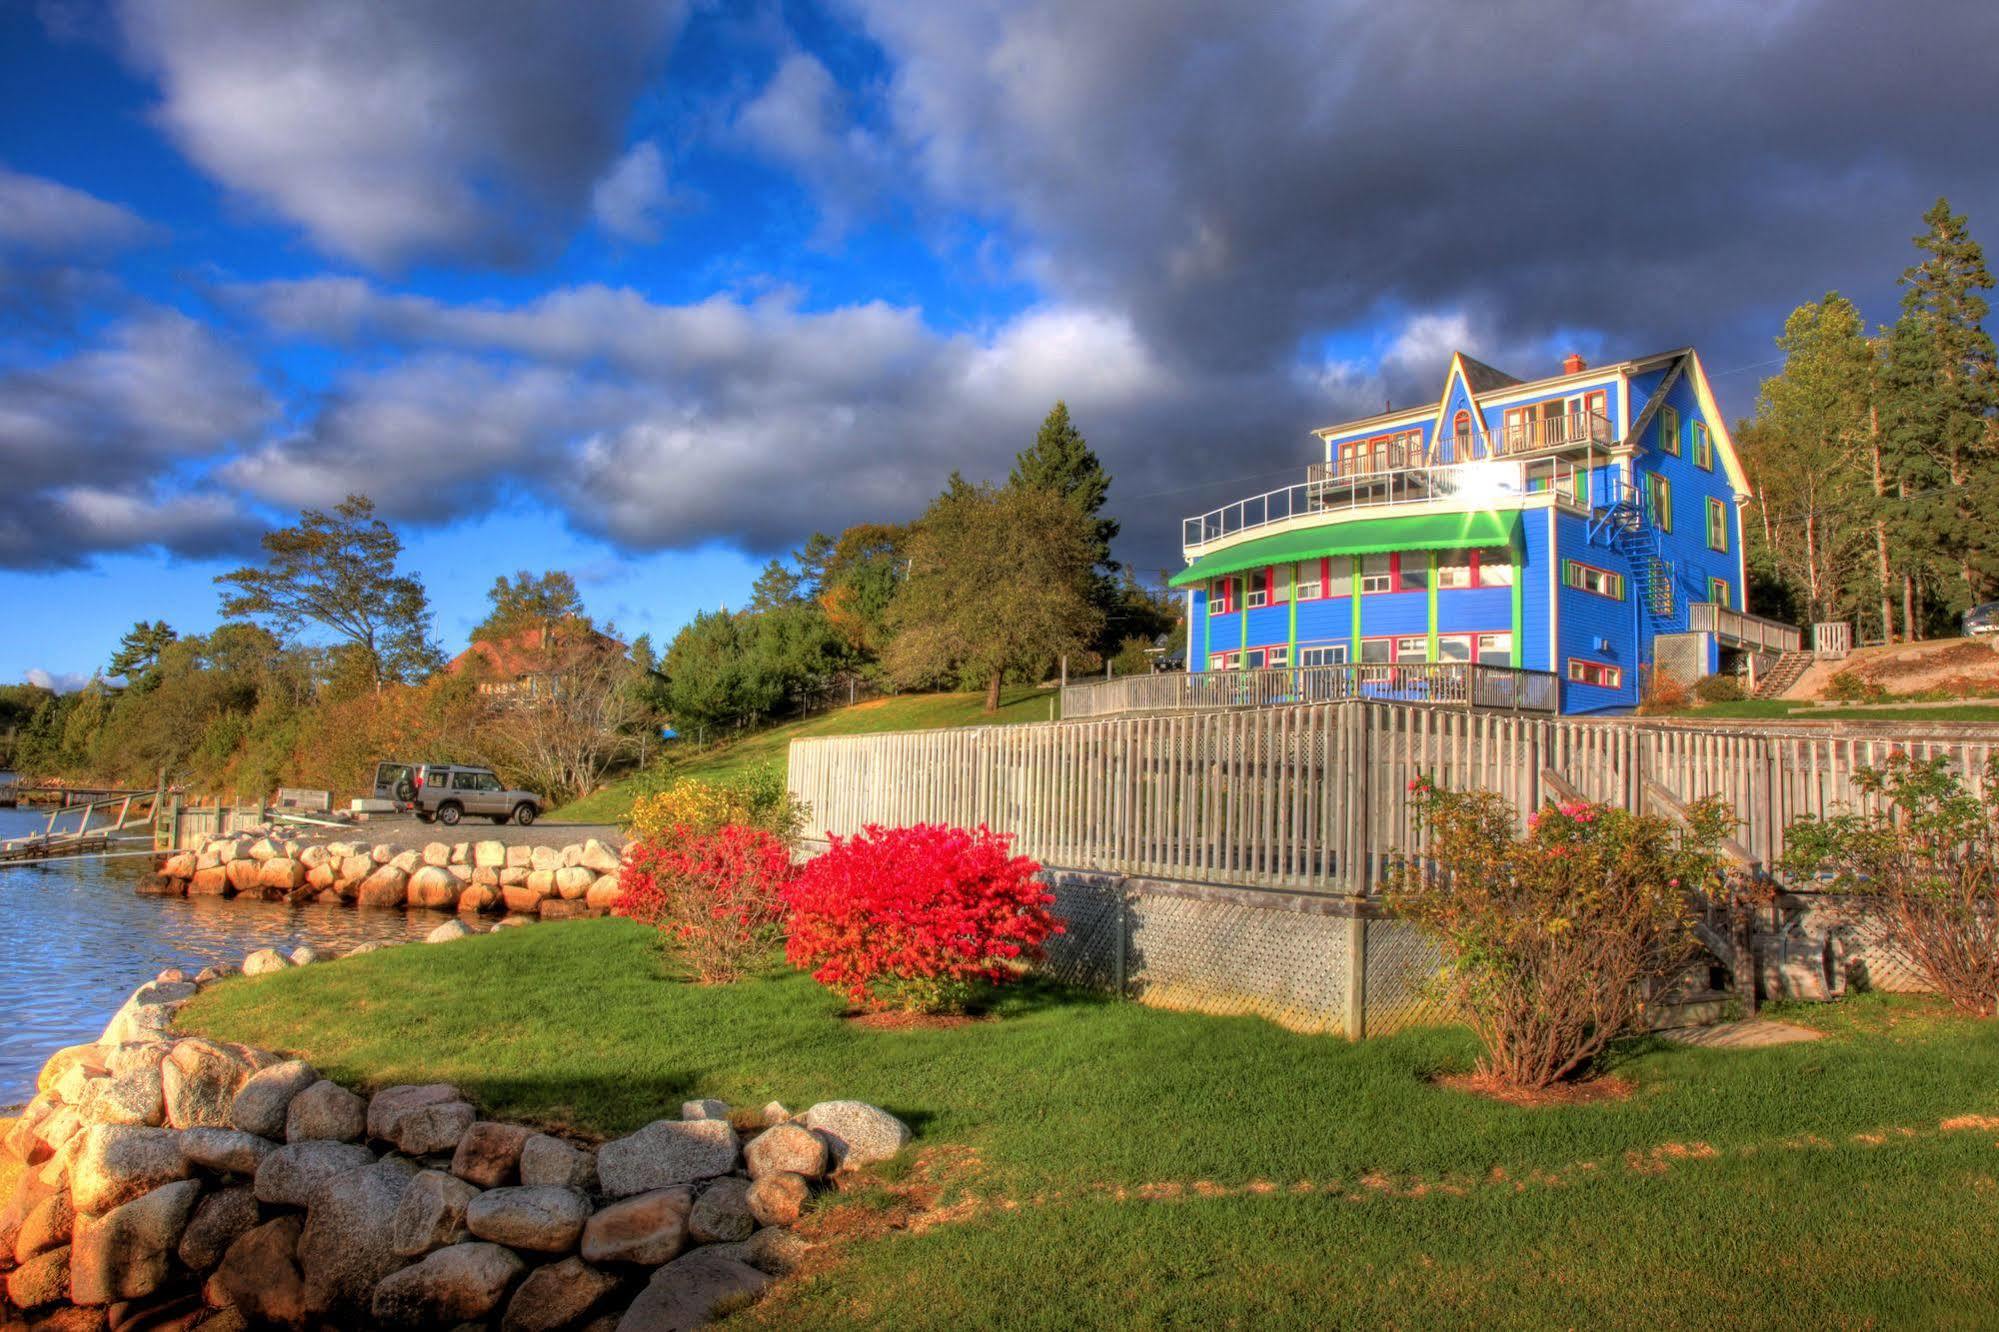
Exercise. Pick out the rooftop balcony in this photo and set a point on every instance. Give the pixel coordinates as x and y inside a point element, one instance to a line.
<point>1328,494</point>
<point>1546,454</point>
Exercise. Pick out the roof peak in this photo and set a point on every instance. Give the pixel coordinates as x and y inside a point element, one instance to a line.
<point>1481,378</point>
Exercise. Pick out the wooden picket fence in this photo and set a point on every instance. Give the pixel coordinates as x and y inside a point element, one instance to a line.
<point>1316,798</point>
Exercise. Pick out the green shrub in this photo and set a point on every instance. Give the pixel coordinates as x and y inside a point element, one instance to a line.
<point>1719,689</point>
<point>1850,687</point>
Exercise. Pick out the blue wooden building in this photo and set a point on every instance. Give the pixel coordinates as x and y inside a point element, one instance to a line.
<point>1579,524</point>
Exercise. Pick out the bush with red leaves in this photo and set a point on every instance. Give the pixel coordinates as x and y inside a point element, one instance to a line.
<point>917,918</point>
<point>714,897</point>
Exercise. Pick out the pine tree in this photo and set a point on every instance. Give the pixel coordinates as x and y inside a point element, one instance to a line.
<point>1061,460</point>
<point>1945,372</point>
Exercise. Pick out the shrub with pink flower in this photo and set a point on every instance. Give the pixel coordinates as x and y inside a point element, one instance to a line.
<point>1550,939</point>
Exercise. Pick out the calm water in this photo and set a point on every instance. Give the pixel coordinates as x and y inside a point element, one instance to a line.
<point>75,941</point>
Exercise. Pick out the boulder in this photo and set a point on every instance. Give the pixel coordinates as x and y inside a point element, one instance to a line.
<point>386,887</point>
<point>598,858</point>
<point>489,1155</point>
<point>536,1218</point>
<point>707,1108</point>
<point>556,908</point>
<point>219,1220</point>
<point>180,865</point>
<point>264,1100</point>
<point>461,853</point>
<point>363,949</point>
<point>259,1274</point>
<point>515,876</point>
<point>489,855</point>
<point>664,1153</point>
<point>346,1248</point>
<point>545,858</point>
<point>281,875</point>
<point>431,1213</point>
<point>199,1081</point>
<point>574,882</point>
<point>551,1161</point>
<point>777,1198</point>
<point>437,853</point>
<point>432,887</point>
<point>148,1014</point>
<point>224,848</point>
<point>304,955</point>
<point>459,1284</point>
<point>646,1231</point>
<point>41,1281</point>
<point>486,877</point>
<point>689,1291</point>
<point>293,1174</point>
<point>558,1295</point>
<point>786,1148</point>
<point>323,877</point>
<point>774,1114</point>
<point>512,921</point>
<point>265,849</point>
<point>264,961</point>
<point>118,1163</point>
<point>355,868</point>
<point>47,1225</point>
<point>857,1133</point>
<point>382,853</point>
<point>521,899</point>
<point>244,875</point>
<point>449,932</point>
<point>777,1250</point>
<point>229,1151</point>
<point>520,857</point>
<point>67,1063</point>
<point>312,857</point>
<point>212,881</point>
<point>540,882</point>
<point>476,898</point>
<point>430,1130</point>
<point>125,1254</point>
<point>722,1213</point>
<point>604,892</point>
<point>391,1103</point>
<point>136,1097</point>
<point>326,1110</point>
<point>462,873</point>
<point>407,861</point>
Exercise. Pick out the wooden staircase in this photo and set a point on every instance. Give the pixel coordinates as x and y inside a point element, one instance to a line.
<point>1790,668</point>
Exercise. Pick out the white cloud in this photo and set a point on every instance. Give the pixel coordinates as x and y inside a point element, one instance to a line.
<point>65,682</point>
<point>631,200</point>
<point>801,121</point>
<point>464,130</point>
<point>43,217</point>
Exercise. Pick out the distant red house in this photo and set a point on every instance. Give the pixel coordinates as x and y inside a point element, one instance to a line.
<point>531,664</point>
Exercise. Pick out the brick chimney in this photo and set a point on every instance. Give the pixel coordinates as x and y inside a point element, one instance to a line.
<point>1575,365</point>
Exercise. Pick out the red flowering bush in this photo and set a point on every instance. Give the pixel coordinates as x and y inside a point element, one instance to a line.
<point>715,897</point>
<point>917,918</point>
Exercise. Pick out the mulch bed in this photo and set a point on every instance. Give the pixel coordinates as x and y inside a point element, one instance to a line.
<point>893,1021</point>
<point>1609,1087</point>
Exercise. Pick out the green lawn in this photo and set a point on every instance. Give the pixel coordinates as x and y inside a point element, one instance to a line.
<point>908,712</point>
<point>1760,708</point>
<point>1112,1163</point>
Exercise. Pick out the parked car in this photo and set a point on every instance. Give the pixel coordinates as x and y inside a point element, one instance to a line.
<point>447,792</point>
<point>1982,620</point>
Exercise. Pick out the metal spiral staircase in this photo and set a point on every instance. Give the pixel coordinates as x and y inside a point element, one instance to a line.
<point>1623,527</point>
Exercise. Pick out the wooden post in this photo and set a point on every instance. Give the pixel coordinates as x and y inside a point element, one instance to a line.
<point>1356,997</point>
<point>1123,933</point>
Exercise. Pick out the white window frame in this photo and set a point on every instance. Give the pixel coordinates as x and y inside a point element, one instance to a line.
<point>1422,649</point>
<point>1323,654</point>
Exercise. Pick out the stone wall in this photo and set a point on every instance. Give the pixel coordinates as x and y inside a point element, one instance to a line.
<point>178,1182</point>
<point>469,877</point>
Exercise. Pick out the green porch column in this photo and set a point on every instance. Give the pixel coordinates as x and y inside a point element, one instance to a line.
<point>1353,595</point>
<point>1519,600</point>
<point>1291,651</point>
<point>1431,651</point>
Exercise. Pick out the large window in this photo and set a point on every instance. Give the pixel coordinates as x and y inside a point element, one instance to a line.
<point>1589,578</point>
<point>1340,583</point>
<point>1413,649</point>
<point>1490,566</point>
<point>1377,573</point>
<point>1225,661</point>
<point>1717,525</point>
<point>1224,596</point>
<point>1703,447</point>
<point>1306,580</point>
<point>1659,501</point>
<point>1495,649</point>
<point>1595,673</point>
<point>1454,647</point>
<point>1380,650</point>
<point>1275,657</point>
<point>1322,654</point>
<point>1669,431</point>
<point>1412,571</point>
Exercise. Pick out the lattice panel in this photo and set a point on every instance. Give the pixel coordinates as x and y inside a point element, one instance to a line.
<point>1224,958</point>
<point>1085,953</point>
<point>1874,960</point>
<point>1682,657</point>
<point>1402,966</point>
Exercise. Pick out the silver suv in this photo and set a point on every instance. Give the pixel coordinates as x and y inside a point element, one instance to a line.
<point>447,792</point>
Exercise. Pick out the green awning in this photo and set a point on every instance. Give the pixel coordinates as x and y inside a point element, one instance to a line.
<point>1370,536</point>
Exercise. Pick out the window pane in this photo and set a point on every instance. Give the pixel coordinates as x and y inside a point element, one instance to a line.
<point>1454,568</point>
<point>1415,572</point>
<point>1342,580</point>
<point>1376,649</point>
<point>1495,649</point>
<point>1454,649</point>
<point>1495,567</point>
<point>1412,650</point>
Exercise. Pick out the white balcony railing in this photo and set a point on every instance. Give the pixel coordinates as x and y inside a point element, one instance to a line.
<point>1749,630</point>
<point>1492,483</point>
<point>1456,684</point>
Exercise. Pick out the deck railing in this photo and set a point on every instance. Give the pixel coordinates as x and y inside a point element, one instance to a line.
<point>1751,630</point>
<point>1457,684</point>
<point>1490,483</point>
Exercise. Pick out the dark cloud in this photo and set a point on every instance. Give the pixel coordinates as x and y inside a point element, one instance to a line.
<point>461,130</point>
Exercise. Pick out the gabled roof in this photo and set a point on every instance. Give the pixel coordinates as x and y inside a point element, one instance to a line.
<point>1482,378</point>
<point>522,654</point>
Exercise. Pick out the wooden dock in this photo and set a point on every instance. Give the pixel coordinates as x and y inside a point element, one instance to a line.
<point>98,824</point>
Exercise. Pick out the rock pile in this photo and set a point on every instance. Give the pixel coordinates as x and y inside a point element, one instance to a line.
<point>549,882</point>
<point>180,1182</point>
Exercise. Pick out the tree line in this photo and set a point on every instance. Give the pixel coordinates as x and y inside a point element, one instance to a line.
<point>327,659</point>
<point>1873,456</point>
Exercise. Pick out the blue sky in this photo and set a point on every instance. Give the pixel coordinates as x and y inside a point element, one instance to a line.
<point>653,297</point>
